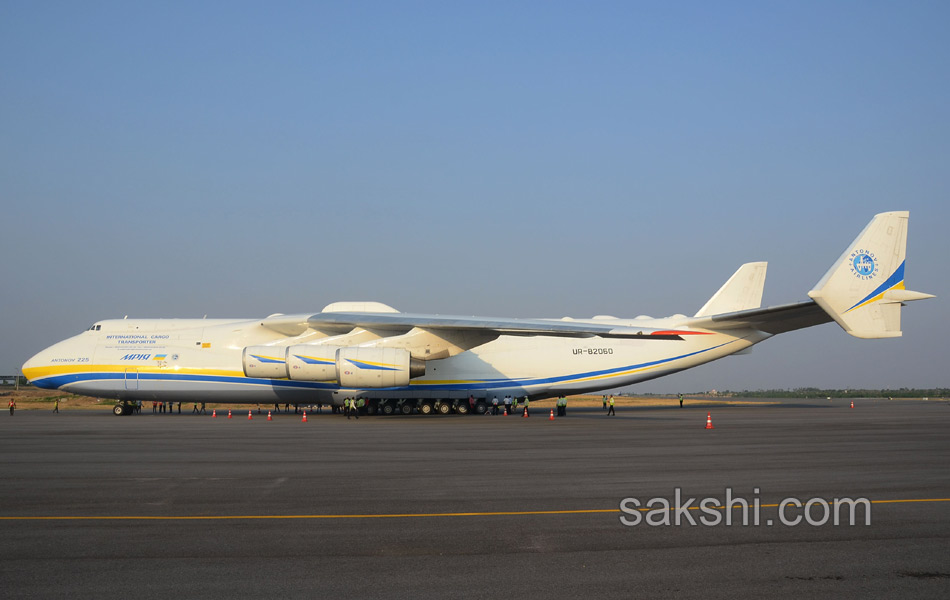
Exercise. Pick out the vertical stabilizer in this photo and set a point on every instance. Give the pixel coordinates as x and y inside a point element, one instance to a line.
<point>864,290</point>
<point>742,292</point>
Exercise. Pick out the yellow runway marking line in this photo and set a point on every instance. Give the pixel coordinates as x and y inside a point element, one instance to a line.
<point>392,516</point>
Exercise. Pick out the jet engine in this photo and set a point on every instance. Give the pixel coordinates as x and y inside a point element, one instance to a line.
<point>376,367</point>
<point>265,361</point>
<point>312,363</point>
<point>351,367</point>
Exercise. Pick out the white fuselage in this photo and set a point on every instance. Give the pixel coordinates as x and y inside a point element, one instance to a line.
<point>373,351</point>
<point>200,360</point>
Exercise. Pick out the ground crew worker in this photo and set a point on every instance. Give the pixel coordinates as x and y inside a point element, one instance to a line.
<point>358,404</point>
<point>194,411</point>
<point>611,410</point>
<point>494,405</point>
<point>561,406</point>
<point>56,405</point>
<point>526,402</point>
<point>346,407</point>
<point>681,400</point>
<point>508,404</point>
<point>12,406</point>
<point>605,402</point>
<point>203,409</point>
<point>514,405</point>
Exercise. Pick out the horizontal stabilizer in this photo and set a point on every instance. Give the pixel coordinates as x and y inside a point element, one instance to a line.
<point>772,320</point>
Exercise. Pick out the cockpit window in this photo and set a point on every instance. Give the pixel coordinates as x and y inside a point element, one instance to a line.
<point>95,328</point>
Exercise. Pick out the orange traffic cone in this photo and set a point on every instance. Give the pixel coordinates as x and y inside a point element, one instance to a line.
<point>214,413</point>
<point>506,412</point>
<point>268,416</point>
<point>852,404</point>
<point>249,417</point>
<point>229,413</point>
<point>709,424</point>
<point>304,416</point>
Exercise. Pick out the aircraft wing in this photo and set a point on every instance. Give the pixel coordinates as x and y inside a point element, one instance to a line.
<point>404,321</point>
<point>774,319</point>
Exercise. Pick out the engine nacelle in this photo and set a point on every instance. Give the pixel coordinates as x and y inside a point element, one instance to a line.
<point>265,361</point>
<point>376,367</point>
<point>312,363</point>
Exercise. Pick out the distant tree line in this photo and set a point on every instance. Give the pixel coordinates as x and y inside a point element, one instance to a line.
<point>811,392</point>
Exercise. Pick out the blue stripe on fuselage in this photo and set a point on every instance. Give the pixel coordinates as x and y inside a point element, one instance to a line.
<point>59,381</point>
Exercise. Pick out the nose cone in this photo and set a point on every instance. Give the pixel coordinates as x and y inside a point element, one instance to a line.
<point>38,370</point>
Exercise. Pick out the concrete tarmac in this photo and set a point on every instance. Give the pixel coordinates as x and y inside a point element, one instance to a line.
<point>154,506</point>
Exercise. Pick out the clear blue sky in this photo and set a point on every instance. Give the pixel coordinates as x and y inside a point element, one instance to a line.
<point>501,159</point>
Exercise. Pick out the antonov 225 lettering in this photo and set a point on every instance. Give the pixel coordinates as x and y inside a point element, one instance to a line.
<point>401,361</point>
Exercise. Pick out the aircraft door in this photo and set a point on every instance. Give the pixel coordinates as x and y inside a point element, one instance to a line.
<point>131,379</point>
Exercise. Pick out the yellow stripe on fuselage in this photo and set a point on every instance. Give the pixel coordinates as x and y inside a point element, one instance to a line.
<point>34,373</point>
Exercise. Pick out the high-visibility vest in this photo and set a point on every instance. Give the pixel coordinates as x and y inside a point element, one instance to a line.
<point>346,403</point>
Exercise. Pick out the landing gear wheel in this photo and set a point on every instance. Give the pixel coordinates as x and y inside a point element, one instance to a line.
<point>481,408</point>
<point>118,410</point>
<point>426,408</point>
<point>388,409</point>
<point>405,409</point>
<point>462,407</point>
<point>444,408</point>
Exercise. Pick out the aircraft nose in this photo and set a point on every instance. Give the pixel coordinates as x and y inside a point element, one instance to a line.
<point>34,369</point>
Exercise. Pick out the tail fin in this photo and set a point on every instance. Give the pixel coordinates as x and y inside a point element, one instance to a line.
<point>864,290</point>
<point>743,291</point>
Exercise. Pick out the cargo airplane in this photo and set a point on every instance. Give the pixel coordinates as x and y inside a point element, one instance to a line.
<point>401,362</point>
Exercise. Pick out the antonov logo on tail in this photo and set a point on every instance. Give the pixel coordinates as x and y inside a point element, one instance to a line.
<point>863,264</point>
<point>136,357</point>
